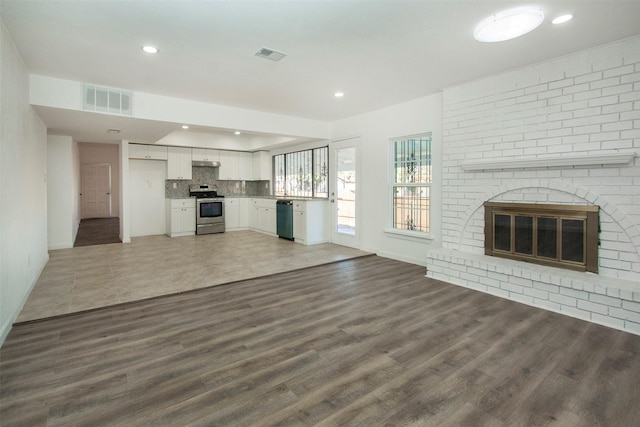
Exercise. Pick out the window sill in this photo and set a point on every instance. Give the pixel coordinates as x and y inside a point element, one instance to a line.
<point>408,235</point>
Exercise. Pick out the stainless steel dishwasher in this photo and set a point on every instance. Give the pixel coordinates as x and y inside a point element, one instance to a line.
<point>284,219</point>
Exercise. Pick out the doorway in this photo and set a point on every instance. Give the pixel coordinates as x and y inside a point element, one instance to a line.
<point>344,167</point>
<point>97,226</point>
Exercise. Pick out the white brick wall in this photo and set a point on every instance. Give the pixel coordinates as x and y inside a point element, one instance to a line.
<point>584,104</point>
<point>610,302</point>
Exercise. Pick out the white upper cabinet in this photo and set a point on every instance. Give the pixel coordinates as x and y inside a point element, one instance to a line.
<point>205,155</point>
<point>179,163</point>
<point>236,165</point>
<point>148,152</point>
<point>262,166</point>
<point>228,165</point>
<point>245,166</point>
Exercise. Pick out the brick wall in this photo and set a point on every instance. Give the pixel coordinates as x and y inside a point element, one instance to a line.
<point>581,105</point>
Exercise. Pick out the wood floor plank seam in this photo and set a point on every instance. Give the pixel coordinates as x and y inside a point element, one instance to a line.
<point>369,341</point>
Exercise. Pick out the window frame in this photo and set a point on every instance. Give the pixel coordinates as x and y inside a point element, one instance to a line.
<point>394,183</point>
<point>307,155</point>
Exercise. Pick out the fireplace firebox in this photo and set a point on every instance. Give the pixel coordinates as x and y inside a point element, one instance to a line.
<point>564,236</point>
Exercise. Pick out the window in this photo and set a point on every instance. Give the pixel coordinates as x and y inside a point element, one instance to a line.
<point>412,180</point>
<point>302,173</point>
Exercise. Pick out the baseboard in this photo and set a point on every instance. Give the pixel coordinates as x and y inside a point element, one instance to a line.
<point>56,247</point>
<point>6,328</point>
<point>404,258</point>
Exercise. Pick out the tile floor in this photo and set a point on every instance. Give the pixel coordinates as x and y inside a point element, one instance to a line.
<point>89,277</point>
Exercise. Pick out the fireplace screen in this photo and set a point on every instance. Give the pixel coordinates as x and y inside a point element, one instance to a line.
<point>558,235</point>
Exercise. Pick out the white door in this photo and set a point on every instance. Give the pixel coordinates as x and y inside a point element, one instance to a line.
<point>344,167</point>
<point>147,209</point>
<point>96,190</point>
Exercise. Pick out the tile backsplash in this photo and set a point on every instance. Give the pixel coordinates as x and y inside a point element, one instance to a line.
<point>209,175</point>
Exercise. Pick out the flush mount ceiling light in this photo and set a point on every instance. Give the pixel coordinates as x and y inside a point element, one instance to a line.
<point>270,54</point>
<point>338,94</point>
<point>237,132</point>
<point>562,19</point>
<point>150,49</point>
<point>508,24</point>
<point>185,127</point>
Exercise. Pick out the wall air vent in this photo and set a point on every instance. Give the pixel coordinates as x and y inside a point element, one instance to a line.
<point>106,100</point>
<point>271,54</point>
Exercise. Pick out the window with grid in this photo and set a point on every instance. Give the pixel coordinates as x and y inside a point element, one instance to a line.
<point>412,180</point>
<point>302,173</point>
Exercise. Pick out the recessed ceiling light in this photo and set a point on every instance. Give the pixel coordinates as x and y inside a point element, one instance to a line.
<point>113,130</point>
<point>185,127</point>
<point>562,19</point>
<point>338,94</point>
<point>237,132</point>
<point>508,24</point>
<point>150,49</point>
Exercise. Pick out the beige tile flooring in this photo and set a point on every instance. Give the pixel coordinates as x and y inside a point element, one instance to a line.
<point>89,277</point>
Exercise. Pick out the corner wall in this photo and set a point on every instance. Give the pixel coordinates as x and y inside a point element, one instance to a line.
<point>23,187</point>
<point>62,191</point>
<point>376,129</point>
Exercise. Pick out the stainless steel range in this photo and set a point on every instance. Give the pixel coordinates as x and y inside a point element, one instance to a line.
<point>209,209</point>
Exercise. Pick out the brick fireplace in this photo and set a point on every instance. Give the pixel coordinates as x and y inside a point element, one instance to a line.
<point>562,133</point>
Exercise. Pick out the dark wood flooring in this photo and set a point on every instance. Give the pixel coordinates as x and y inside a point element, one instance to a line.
<point>368,341</point>
<point>98,231</point>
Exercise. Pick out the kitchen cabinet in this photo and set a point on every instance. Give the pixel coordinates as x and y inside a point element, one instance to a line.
<point>245,166</point>
<point>228,166</point>
<point>179,163</point>
<point>262,166</point>
<point>236,166</point>
<point>181,217</point>
<point>205,155</point>
<point>147,152</point>
<point>263,215</point>
<point>310,221</point>
<point>236,213</point>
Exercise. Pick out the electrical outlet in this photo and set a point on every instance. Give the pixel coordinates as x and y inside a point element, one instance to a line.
<point>175,185</point>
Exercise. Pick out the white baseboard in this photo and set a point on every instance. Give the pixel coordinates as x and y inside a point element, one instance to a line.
<point>404,258</point>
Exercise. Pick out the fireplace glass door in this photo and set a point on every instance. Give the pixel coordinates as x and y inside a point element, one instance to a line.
<point>557,235</point>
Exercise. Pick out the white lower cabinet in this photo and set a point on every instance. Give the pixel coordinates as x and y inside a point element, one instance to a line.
<point>263,215</point>
<point>236,213</point>
<point>181,217</point>
<point>310,221</point>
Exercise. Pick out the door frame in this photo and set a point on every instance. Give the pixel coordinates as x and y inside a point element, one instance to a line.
<point>343,239</point>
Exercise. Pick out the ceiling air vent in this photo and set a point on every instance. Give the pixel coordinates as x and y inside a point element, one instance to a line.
<point>106,100</point>
<point>271,54</point>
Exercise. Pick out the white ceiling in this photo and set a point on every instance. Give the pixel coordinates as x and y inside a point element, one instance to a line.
<point>379,53</point>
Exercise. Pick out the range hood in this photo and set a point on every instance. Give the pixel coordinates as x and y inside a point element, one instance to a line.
<point>209,163</point>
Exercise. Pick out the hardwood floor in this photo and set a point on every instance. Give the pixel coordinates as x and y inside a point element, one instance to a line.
<point>98,231</point>
<point>368,341</point>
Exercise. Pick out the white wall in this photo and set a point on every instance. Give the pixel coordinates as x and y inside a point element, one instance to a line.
<point>23,187</point>
<point>125,222</point>
<point>67,94</point>
<point>576,107</point>
<point>375,130</point>
<point>63,188</point>
<point>584,104</point>
<point>147,197</point>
